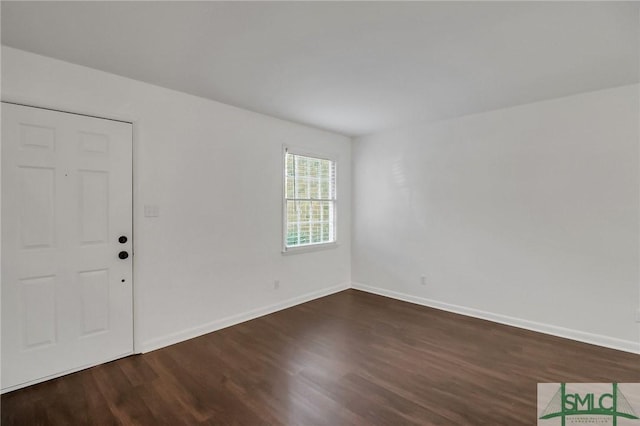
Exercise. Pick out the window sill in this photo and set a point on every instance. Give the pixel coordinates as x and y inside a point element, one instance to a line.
<point>310,248</point>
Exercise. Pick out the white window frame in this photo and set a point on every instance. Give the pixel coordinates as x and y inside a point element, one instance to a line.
<point>313,246</point>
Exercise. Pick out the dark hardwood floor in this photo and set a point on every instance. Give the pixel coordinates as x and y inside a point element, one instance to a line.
<point>349,358</point>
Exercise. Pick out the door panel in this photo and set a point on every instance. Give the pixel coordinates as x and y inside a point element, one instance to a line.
<point>37,218</point>
<point>66,199</point>
<point>93,206</point>
<point>38,311</point>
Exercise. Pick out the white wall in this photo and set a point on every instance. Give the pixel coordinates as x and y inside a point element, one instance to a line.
<point>527,215</point>
<point>215,171</point>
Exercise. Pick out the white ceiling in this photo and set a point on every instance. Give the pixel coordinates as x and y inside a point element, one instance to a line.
<point>349,67</point>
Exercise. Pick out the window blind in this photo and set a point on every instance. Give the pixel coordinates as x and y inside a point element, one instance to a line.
<point>310,200</point>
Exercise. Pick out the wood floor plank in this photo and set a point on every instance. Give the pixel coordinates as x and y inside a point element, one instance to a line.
<point>351,358</point>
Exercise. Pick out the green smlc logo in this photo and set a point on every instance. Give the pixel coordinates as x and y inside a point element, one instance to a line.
<point>612,404</point>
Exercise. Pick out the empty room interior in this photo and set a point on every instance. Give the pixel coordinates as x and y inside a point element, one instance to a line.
<point>320,213</point>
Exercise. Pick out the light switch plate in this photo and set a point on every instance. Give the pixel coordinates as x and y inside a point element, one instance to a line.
<point>151,210</point>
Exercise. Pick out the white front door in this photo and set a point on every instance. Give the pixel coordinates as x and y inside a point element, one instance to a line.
<point>66,267</point>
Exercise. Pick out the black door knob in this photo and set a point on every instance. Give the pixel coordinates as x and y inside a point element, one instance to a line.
<point>123,255</point>
<point>122,239</point>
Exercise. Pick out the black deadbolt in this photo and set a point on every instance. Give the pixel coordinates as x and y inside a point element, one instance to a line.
<point>122,239</point>
<point>123,255</point>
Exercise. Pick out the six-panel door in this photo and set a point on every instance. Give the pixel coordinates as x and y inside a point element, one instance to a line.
<point>66,201</point>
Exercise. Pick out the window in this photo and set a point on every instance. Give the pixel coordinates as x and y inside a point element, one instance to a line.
<point>309,200</point>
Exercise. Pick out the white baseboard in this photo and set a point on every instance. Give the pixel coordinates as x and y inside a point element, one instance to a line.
<point>581,336</point>
<point>64,373</point>
<point>190,333</point>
